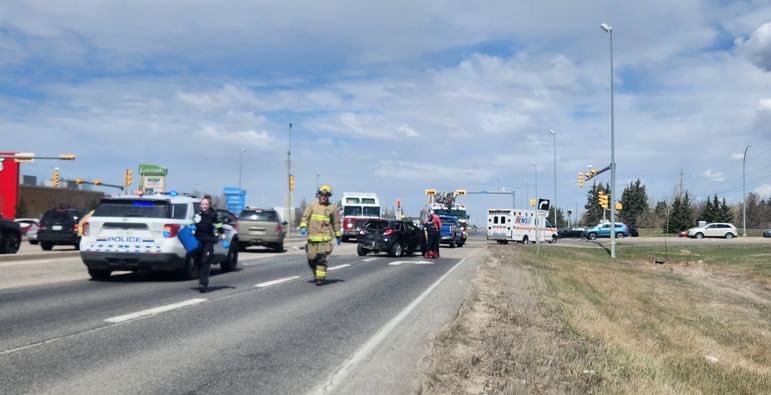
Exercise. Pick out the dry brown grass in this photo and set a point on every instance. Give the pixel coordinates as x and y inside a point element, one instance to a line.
<point>576,322</point>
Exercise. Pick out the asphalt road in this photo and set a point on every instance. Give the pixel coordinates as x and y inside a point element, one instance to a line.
<point>264,329</point>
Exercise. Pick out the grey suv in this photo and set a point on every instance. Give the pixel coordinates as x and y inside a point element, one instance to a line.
<point>261,227</point>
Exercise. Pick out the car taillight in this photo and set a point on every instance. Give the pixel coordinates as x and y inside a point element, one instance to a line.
<point>389,232</point>
<point>85,229</point>
<point>170,230</point>
<point>279,228</point>
<point>75,228</point>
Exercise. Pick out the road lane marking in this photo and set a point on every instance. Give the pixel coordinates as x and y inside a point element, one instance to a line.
<point>154,310</point>
<point>396,263</point>
<point>422,263</point>
<point>370,259</point>
<point>341,374</point>
<point>274,282</point>
<point>28,262</point>
<point>329,269</point>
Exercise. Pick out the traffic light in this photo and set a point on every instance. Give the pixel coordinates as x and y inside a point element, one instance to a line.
<point>580,180</point>
<point>67,157</point>
<point>79,181</point>
<point>593,173</point>
<point>97,182</point>
<point>533,202</point>
<point>56,177</point>
<point>128,178</point>
<point>460,192</point>
<point>430,192</point>
<point>603,199</point>
<point>291,183</point>
<point>619,206</point>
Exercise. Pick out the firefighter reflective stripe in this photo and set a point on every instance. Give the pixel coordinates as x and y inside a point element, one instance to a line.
<point>338,233</point>
<point>303,225</point>
<point>319,238</point>
<point>321,273</point>
<point>217,226</point>
<point>320,217</point>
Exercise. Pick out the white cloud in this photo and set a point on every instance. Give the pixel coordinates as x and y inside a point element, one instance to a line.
<point>716,176</point>
<point>764,191</point>
<point>757,48</point>
<point>407,131</point>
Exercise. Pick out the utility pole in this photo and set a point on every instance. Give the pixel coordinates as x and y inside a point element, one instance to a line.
<point>680,193</point>
<point>744,196</point>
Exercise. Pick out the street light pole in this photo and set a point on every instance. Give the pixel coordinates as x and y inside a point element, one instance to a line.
<point>744,195</point>
<point>317,180</point>
<point>537,214</point>
<point>240,168</point>
<point>609,30</point>
<point>288,182</point>
<point>554,203</point>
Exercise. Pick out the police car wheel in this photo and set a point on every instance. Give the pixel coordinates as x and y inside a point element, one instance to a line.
<point>189,271</point>
<point>360,250</point>
<point>99,274</point>
<point>231,262</point>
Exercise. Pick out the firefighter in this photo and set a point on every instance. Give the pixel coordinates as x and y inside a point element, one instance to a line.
<point>321,223</point>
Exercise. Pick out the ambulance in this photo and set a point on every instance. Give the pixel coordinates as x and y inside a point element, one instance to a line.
<point>524,226</point>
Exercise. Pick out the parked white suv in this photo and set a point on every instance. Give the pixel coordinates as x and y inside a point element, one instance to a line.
<point>139,233</point>
<point>717,229</point>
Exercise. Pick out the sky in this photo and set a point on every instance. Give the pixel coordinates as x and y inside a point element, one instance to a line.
<point>394,97</point>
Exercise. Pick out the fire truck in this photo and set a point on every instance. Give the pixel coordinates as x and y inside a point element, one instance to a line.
<point>357,208</point>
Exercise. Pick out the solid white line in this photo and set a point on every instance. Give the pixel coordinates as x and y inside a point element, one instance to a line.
<point>341,374</point>
<point>154,310</point>
<point>28,262</point>
<point>329,269</point>
<point>274,282</point>
<point>370,259</point>
<point>396,263</point>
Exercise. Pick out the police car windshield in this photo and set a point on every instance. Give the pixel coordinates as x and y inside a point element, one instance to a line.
<point>133,208</point>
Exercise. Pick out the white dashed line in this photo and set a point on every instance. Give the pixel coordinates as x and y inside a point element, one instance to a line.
<point>396,263</point>
<point>274,282</point>
<point>338,267</point>
<point>154,310</point>
<point>369,259</point>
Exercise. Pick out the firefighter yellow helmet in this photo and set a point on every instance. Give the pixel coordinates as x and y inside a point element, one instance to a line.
<point>325,189</point>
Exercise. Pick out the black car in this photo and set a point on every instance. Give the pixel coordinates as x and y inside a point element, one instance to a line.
<point>633,230</point>
<point>767,233</point>
<point>60,227</point>
<point>395,237</point>
<point>571,233</point>
<point>10,236</point>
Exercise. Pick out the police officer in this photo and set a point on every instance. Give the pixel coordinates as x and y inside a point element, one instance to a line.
<point>321,223</point>
<point>207,232</point>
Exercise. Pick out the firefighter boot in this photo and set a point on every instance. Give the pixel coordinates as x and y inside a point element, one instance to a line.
<point>321,274</point>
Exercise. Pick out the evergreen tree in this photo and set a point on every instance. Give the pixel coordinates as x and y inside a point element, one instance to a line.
<point>561,220</point>
<point>709,211</point>
<point>634,200</point>
<point>594,213</point>
<point>681,216</point>
<point>725,213</point>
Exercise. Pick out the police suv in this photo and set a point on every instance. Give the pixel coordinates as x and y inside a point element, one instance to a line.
<point>139,233</point>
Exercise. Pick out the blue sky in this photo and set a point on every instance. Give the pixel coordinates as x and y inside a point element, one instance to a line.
<point>393,97</point>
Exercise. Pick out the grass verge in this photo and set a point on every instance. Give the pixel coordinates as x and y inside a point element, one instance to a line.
<point>576,321</point>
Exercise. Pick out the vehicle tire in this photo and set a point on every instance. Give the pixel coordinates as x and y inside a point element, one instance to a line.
<point>231,262</point>
<point>77,246</point>
<point>462,242</point>
<point>11,243</point>
<point>502,241</point>
<point>242,246</point>
<point>592,236</point>
<point>554,239</point>
<point>189,271</point>
<point>99,274</point>
<point>345,239</point>
<point>46,245</point>
<point>729,236</point>
<point>33,242</point>
<point>396,250</point>
<point>525,240</point>
<point>699,236</point>
<point>278,247</point>
<point>620,235</point>
<point>360,250</point>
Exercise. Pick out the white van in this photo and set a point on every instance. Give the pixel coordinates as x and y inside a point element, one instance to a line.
<point>504,225</point>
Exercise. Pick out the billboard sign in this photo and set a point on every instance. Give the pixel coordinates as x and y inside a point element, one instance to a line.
<point>152,178</point>
<point>9,186</point>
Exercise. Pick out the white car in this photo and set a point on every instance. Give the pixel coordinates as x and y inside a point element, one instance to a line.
<point>717,229</point>
<point>139,233</point>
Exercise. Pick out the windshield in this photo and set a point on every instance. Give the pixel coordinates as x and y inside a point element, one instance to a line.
<point>134,208</point>
<point>352,210</point>
<point>460,214</point>
<point>58,216</point>
<point>372,211</point>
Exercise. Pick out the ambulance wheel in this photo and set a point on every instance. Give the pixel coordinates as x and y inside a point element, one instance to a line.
<point>502,241</point>
<point>360,250</point>
<point>525,240</point>
<point>99,274</point>
<point>189,271</point>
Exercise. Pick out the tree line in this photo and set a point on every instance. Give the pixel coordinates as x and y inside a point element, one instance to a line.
<point>677,214</point>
